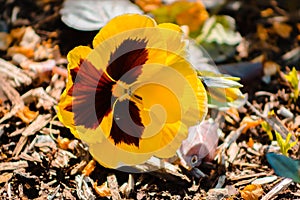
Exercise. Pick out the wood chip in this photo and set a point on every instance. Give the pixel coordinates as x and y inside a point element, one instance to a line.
<point>247,176</point>
<point>14,96</point>
<point>233,151</point>
<point>264,180</point>
<point>36,125</point>
<point>16,132</point>
<point>114,187</point>
<point>44,99</point>
<point>77,167</point>
<point>40,122</point>
<point>5,177</point>
<point>273,121</point>
<point>279,187</point>
<point>14,73</point>
<point>13,165</point>
<point>161,168</point>
<point>217,193</point>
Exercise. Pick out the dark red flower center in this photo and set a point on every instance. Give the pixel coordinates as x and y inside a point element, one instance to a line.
<point>92,92</point>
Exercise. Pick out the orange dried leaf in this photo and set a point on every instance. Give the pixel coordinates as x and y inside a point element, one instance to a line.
<point>5,177</point>
<point>283,30</point>
<point>252,192</point>
<point>148,5</point>
<point>17,33</point>
<point>26,115</point>
<point>271,68</point>
<point>63,143</point>
<point>267,12</point>
<point>102,190</point>
<point>6,40</point>
<point>29,53</point>
<point>194,17</point>
<point>250,143</point>
<point>262,32</point>
<point>250,123</point>
<point>89,168</point>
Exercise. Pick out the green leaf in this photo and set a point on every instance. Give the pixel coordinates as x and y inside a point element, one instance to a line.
<point>292,78</point>
<point>284,166</point>
<point>219,37</point>
<point>285,145</point>
<point>267,128</point>
<point>219,29</point>
<point>223,91</point>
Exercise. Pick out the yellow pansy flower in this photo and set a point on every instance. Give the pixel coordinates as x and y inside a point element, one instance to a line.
<point>133,95</point>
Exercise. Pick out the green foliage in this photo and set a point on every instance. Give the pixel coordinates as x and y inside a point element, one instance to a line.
<point>268,129</point>
<point>223,91</point>
<point>285,145</point>
<point>219,29</point>
<point>284,166</point>
<point>292,78</point>
<point>219,38</point>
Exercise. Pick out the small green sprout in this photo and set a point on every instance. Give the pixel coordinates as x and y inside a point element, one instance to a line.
<point>268,129</point>
<point>292,78</point>
<point>285,145</point>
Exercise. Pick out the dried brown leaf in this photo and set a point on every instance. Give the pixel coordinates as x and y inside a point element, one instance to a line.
<point>252,192</point>
<point>26,115</point>
<point>262,32</point>
<point>148,5</point>
<point>102,190</point>
<point>267,12</point>
<point>5,177</point>
<point>5,41</point>
<point>89,168</point>
<point>63,142</point>
<point>282,29</point>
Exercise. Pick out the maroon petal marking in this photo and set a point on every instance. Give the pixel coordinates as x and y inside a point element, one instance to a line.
<point>129,55</point>
<point>92,95</point>
<point>127,124</point>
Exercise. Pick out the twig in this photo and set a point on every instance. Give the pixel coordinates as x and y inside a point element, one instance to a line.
<point>14,96</point>
<point>273,122</point>
<point>83,190</point>
<point>44,99</point>
<point>113,186</point>
<point>9,191</point>
<point>159,168</point>
<point>14,73</point>
<point>5,166</point>
<point>36,125</point>
<point>280,186</point>
<point>53,194</point>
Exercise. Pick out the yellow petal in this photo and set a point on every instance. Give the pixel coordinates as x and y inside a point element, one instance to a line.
<point>66,117</point>
<point>122,23</point>
<point>172,98</point>
<point>74,57</point>
<point>168,94</point>
<point>170,26</point>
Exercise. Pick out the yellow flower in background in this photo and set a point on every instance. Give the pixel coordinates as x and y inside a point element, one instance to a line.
<point>190,13</point>
<point>194,17</point>
<point>134,95</point>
